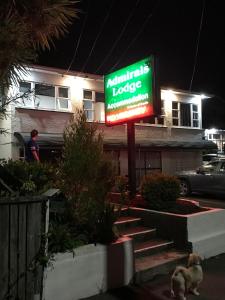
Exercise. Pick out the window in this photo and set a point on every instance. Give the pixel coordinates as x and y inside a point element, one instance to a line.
<point>24,87</point>
<point>175,113</point>
<point>185,114</point>
<point>195,115</point>
<point>88,103</point>
<point>45,97</point>
<point>216,136</point>
<point>160,119</point>
<point>99,97</point>
<point>63,98</point>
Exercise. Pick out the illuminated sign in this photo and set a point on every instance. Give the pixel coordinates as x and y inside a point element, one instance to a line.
<point>129,93</point>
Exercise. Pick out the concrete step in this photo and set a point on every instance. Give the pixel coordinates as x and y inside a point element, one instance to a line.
<point>125,222</point>
<point>139,233</point>
<point>124,211</point>
<point>150,247</point>
<point>164,262</point>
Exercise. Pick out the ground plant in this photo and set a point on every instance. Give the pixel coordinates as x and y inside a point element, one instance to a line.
<point>160,191</point>
<point>87,176</point>
<point>21,178</point>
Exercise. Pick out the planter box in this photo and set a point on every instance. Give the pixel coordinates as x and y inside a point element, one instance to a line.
<point>202,232</point>
<point>93,269</point>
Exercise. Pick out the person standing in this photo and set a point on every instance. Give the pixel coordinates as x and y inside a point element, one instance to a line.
<point>32,149</point>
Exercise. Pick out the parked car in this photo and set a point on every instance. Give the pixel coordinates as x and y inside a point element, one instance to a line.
<point>211,156</point>
<point>210,179</point>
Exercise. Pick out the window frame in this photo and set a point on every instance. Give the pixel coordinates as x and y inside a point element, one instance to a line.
<point>193,112</point>
<point>92,101</point>
<point>34,98</point>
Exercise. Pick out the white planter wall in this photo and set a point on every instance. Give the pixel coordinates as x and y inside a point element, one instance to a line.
<point>206,232</point>
<point>93,269</point>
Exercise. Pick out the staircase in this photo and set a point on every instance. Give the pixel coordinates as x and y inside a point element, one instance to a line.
<point>153,255</point>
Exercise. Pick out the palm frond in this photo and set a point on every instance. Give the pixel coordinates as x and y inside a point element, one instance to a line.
<point>15,50</point>
<point>49,20</point>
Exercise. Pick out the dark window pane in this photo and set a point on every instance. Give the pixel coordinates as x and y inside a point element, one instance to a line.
<point>195,107</point>
<point>216,136</point>
<point>87,94</point>
<point>25,87</point>
<point>185,114</point>
<point>175,113</point>
<point>175,122</point>
<point>45,90</point>
<point>174,105</point>
<point>195,123</point>
<point>63,92</point>
<point>195,116</point>
<point>99,97</point>
<point>161,121</point>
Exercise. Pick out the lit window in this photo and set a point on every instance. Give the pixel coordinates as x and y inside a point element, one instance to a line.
<point>26,94</point>
<point>185,114</point>
<point>45,97</point>
<point>24,87</point>
<point>63,98</point>
<point>88,104</point>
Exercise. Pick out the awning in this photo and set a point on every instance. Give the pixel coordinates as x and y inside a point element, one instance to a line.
<point>164,144</point>
<point>44,140</point>
<point>55,140</point>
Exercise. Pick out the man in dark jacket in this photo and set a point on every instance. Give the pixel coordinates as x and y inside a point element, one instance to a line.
<point>32,149</point>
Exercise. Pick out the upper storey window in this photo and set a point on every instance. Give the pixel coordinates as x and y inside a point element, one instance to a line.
<point>185,114</point>
<point>89,99</point>
<point>44,96</point>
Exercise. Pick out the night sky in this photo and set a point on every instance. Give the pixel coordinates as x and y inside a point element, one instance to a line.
<point>111,34</point>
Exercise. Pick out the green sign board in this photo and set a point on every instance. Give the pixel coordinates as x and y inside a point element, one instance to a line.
<point>129,93</point>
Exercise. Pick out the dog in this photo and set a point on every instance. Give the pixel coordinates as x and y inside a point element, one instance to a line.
<point>185,280</point>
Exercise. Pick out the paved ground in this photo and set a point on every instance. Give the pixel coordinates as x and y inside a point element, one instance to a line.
<point>212,287</point>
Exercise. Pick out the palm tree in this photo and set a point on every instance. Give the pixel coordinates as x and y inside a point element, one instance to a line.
<point>25,27</point>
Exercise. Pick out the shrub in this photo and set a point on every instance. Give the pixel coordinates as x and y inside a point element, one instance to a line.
<point>27,178</point>
<point>160,191</point>
<point>86,178</point>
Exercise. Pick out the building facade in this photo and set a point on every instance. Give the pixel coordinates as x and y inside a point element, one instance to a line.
<point>217,136</point>
<point>168,143</point>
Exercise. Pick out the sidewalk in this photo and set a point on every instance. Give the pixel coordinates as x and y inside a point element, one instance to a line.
<point>212,287</point>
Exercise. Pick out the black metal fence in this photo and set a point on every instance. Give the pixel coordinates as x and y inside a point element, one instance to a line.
<point>22,223</point>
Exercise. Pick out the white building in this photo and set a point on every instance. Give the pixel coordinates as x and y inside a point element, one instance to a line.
<point>167,143</point>
<point>217,136</point>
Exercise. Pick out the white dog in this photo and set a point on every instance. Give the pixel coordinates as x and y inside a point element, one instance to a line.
<point>186,280</point>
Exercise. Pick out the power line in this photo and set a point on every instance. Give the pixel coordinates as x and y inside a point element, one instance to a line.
<point>197,46</point>
<point>137,35</point>
<point>79,39</point>
<point>98,35</point>
<point>119,37</point>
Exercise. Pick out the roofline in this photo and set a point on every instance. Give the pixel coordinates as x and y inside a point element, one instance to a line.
<point>186,92</point>
<point>64,72</point>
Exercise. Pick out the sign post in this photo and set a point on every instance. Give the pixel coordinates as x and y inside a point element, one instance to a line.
<point>130,96</point>
<point>131,158</point>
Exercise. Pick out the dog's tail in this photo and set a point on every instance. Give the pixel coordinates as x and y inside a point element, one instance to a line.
<point>183,271</point>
